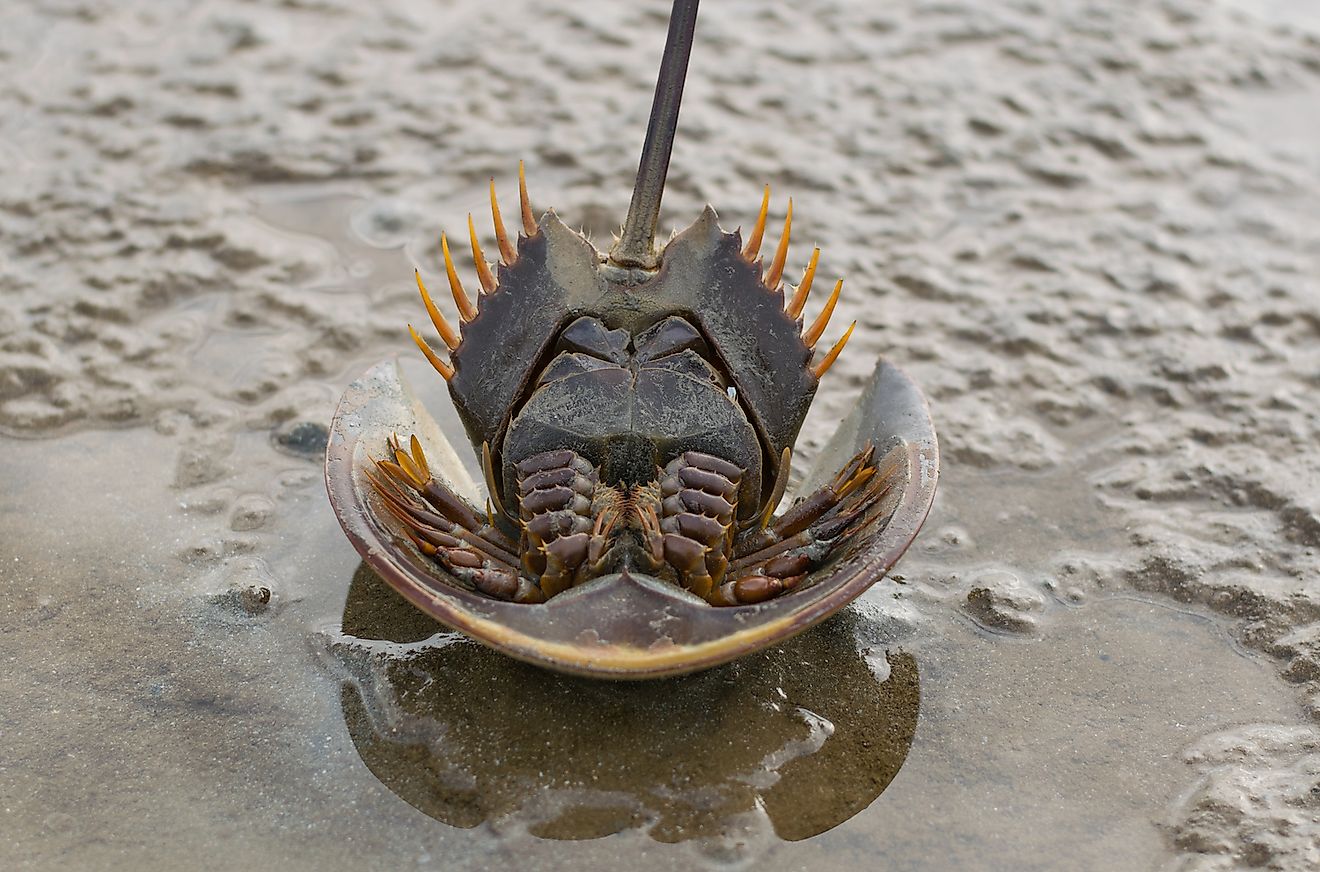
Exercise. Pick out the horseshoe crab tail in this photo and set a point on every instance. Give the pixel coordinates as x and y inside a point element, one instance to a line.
<point>636,245</point>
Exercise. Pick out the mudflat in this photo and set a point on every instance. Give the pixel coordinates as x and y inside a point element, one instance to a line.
<point>1090,231</point>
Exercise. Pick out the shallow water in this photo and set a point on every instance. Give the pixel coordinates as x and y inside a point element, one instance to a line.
<point>336,725</point>
<point>1091,234</point>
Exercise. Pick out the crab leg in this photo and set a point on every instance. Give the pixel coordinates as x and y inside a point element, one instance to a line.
<point>421,517</point>
<point>776,559</point>
<point>775,576</point>
<point>410,472</point>
<point>470,557</point>
<point>855,473</point>
<point>418,514</point>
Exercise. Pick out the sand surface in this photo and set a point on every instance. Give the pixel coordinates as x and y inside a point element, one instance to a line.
<point>1090,230</point>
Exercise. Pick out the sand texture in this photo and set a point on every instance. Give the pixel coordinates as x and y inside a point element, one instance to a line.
<point>1090,230</point>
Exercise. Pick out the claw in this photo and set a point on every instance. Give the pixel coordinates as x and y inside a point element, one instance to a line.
<point>414,470</point>
<point>702,585</point>
<point>399,473</point>
<point>440,366</point>
<point>418,456</point>
<point>497,582</point>
<point>483,269</point>
<point>860,461</point>
<point>465,310</point>
<point>781,254</point>
<point>653,535</point>
<point>753,246</point>
<point>823,319</point>
<point>529,220</point>
<point>812,508</point>
<point>403,505</point>
<point>799,300</point>
<point>821,368</point>
<point>756,588</point>
<point>422,545</point>
<point>508,253</point>
<point>787,565</point>
<point>862,477</point>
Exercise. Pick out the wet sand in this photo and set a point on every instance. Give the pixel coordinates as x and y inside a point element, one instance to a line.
<point>1092,235</point>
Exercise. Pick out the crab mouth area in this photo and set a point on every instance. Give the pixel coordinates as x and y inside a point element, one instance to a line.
<point>628,624</point>
<point>626,554</point>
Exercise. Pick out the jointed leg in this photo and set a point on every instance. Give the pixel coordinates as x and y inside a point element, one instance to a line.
<point>769,561</point>
<point>442,525</point>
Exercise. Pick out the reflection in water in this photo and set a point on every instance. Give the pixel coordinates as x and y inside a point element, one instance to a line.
<point>809,732</point>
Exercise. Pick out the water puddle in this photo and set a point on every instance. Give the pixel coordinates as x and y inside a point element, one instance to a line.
<point>900,732</point>
<point>468,736</point>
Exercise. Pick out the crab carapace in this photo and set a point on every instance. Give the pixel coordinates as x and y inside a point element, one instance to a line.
<point>633,410</point>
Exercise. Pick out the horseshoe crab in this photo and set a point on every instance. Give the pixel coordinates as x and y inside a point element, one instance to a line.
<point>635,413</point>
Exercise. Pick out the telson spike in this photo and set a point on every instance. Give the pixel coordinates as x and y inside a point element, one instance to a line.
<point>781,254</point>
<point>794,308</point>
<point>781,485</point>
<point>508,253</point>
<point>440,366</point>
<point>636,245</point>
<point>437,318</point>
<point>821,368</point>
<point>753,246</point>
<point>465,310</point>
<point>529,220</point>
<point>823,319</point>
<point>479,259</point>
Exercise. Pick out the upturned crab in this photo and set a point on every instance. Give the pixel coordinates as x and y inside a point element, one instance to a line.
<point>634,413</point>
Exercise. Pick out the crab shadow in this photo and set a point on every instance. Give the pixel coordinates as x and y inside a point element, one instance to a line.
<point>806,734</point>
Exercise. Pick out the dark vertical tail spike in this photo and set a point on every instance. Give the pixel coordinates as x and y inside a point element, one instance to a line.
<point>636,245</point>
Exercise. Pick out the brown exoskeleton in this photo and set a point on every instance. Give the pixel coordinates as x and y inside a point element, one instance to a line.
<point>635,410</point>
